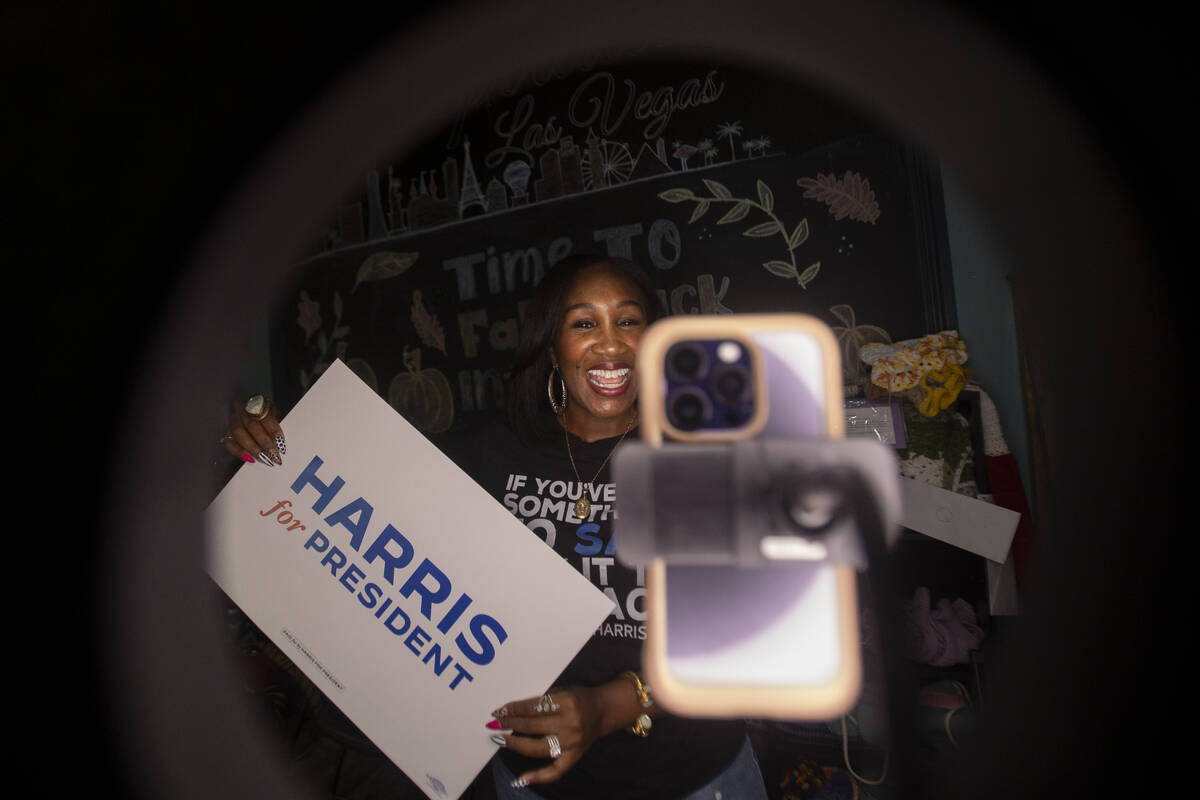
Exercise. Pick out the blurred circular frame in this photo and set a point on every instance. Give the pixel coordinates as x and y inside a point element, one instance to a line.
<point>185,725</point>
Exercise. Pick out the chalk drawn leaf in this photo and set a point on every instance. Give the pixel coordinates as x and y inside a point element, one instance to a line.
<point>765,197</point>
<point>799,236</point>
<point>852,337</point>
<point>676,195</point>
<point>427,325</point>
<point>845,315</point>
<point>718,189</point>
<point>807,276</point>
<point>739,211</point>
<point>379,266</point>
<point>763,229</point>
<point>701,208</point>
<point>781,268</point>
<point>851,196</point>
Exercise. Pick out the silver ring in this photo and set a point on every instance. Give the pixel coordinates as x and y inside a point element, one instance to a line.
<point>546,705</point>
<point>555,747</point>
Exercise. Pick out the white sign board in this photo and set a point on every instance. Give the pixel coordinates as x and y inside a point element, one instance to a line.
<point>982,528</point>
<point>405,592</point>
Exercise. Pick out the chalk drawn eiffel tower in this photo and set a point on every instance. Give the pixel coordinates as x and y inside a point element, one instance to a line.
<point>470,194</point>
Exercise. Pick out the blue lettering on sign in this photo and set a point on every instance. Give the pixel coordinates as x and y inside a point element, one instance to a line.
<point>325,491</point>
<point>392,552</point>
<point>487,651</point>
<point>344,516</point>
<point>590,544</point>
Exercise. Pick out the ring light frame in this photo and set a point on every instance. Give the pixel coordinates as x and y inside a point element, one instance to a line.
<point>1053,200</point>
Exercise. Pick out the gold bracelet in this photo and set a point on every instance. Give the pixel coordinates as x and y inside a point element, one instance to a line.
<point>641,725</point>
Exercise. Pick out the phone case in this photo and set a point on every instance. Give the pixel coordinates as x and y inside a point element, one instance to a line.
<point>778,641</point>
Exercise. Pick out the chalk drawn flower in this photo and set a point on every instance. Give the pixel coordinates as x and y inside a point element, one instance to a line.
<point>309,318</point>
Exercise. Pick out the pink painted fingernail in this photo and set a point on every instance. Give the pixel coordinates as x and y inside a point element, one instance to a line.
<point>247,458</point>
<point>494,725</point>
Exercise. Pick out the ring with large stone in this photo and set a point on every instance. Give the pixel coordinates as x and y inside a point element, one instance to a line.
<point>258,407</point>
<point>546,705</point>
<point>555,747</point>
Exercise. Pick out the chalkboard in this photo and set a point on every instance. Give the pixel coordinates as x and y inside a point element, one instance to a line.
<point>738,191</point>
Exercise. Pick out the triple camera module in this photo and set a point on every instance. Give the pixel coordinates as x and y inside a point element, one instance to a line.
<point>709,385</point>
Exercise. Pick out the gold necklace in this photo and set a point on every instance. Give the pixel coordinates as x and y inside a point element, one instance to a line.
<point>583,506</point>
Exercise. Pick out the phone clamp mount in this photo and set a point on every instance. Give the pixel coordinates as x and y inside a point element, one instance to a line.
<point>755,501</point>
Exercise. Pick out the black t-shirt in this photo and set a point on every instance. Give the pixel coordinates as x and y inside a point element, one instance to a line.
<point>535,481</point>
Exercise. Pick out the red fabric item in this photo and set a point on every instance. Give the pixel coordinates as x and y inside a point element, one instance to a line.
<point>1007,490</point>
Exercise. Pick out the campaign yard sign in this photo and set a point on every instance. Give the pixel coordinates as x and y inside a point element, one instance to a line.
<point>411,597</point>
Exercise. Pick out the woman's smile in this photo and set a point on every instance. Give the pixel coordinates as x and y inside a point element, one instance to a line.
<point>609,380</point>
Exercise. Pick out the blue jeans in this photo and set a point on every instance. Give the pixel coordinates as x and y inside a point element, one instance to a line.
<point>742,780</point>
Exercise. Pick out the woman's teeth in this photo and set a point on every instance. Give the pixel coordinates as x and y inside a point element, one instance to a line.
<point>608,377</point>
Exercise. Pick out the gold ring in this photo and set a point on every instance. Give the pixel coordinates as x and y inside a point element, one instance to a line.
<point>258,407</point>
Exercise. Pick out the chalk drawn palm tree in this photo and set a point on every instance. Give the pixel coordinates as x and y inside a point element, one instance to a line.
<point>683,152</point>
<point>706,148</point>
<point>729,130</point>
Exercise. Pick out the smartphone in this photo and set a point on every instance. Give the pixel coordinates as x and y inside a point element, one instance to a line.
<point>777,640</point>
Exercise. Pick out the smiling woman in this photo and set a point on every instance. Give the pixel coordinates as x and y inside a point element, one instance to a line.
<point>578,340</point>
<point>573,401</point>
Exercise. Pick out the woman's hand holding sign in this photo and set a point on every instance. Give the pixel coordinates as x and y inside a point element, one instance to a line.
<point>254,433</point>
<point>563,723</point>
<point>558,726</point>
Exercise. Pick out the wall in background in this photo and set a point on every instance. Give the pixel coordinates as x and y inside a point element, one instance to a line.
<point>798,121</point>
<point>985,316</point>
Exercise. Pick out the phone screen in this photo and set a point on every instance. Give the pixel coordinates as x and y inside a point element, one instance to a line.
<point>775,625</point>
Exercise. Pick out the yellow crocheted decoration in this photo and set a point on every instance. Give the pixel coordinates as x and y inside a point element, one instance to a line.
<point>928,369</point>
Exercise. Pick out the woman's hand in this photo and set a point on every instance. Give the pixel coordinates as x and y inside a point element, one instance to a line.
<point>253,439</point>
<point>575,715</point>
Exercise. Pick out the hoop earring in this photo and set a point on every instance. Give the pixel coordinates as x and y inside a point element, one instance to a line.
<point>560,406</point>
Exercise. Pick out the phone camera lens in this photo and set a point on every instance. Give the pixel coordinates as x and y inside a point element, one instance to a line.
<point>731,384</point>
<point>686,362</point>
<point>689,409</point>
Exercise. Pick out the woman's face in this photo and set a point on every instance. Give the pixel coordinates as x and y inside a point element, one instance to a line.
<point>605,317</point>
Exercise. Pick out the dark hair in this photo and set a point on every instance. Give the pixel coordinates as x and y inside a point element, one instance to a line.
<point>528,405</point>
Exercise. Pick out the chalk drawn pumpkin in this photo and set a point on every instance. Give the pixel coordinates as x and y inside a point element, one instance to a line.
<point>365,372</point>
<point>422,396</point>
